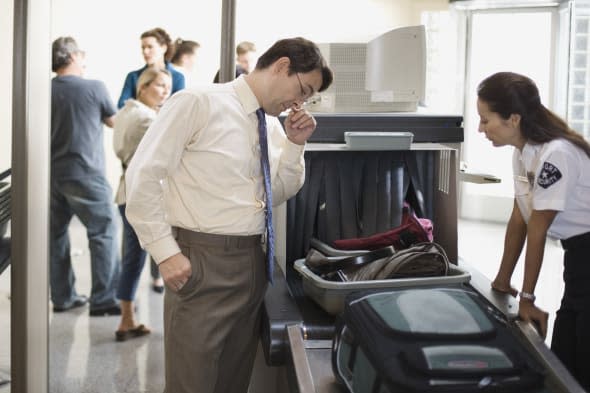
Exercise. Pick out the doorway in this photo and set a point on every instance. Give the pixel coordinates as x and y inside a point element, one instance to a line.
<point>518,40</point>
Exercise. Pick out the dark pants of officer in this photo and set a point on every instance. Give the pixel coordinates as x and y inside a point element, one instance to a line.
<point>571,332</point>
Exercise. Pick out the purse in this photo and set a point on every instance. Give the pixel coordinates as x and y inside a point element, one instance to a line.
<point>412,230</point>
<point>426,259</point>
<point>324,265</point>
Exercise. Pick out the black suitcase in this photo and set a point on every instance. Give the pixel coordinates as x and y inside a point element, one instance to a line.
<point>435,339</point>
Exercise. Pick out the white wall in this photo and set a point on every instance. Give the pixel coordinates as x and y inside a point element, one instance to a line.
<point>109,32</point>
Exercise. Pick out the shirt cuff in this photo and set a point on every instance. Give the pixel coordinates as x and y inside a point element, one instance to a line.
<point>163,248</point>
<point>292,151</point>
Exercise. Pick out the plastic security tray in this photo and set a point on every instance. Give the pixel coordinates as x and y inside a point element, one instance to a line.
<point>330,294</point>
<point>363,140</point>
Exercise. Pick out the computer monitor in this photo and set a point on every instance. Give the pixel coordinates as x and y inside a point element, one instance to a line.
<point>387,74</point>
<point>396,65</point>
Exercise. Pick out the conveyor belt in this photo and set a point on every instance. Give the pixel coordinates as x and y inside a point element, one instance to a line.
<point>288,311</point>
<point>286,305</point>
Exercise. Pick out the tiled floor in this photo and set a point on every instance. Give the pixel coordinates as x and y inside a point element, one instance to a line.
<point>83,354</point>
<point>85,358</point>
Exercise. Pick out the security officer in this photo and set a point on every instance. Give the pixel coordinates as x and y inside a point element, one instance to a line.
<point>551,166</point>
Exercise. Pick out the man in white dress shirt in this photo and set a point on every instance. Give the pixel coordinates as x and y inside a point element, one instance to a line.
<point>195,197</point>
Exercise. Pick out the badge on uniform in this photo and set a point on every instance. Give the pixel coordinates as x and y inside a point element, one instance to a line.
<point>549,175</point>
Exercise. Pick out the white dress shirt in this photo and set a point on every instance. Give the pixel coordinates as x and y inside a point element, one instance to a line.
<point>554,176</point>
<point>131,123</point>
<point>198,167</point>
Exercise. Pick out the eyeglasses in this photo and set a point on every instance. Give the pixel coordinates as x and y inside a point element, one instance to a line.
<point>304,95</point>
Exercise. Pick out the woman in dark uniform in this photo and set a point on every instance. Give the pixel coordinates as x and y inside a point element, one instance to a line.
<point>551,165</point>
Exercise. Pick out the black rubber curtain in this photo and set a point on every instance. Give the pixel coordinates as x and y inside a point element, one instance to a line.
<point>350,194</point>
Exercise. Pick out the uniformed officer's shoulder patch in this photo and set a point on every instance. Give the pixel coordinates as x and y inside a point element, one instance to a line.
<point>549,175</point>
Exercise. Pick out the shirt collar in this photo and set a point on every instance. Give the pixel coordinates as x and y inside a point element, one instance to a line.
<point>245,95</point>
<point>532,149</point>
<point>530,154</point>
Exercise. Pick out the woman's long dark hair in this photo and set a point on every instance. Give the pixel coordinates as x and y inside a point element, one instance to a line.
<point>506,93</point>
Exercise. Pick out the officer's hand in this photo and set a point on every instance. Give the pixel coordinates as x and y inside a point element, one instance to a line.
<point>528,312</point>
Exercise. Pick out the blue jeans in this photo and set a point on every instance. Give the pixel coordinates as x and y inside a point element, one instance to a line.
<point>133,261</point>
<point>90,199</point>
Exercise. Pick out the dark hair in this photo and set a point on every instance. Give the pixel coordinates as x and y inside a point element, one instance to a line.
<point>304,55</point>
<point>184,47</point>
<point>163,39</point>
<point>509,93</point>
<point>62,50</point>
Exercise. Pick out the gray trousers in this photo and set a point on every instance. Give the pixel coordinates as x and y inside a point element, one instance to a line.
<point>211,326</point>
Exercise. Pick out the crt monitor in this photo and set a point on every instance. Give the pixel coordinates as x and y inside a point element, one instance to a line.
<point>396,65</point>
<point>386,74</point>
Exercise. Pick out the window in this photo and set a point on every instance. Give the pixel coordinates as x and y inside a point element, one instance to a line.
<point>578,111</point>
<point>495,40</point>
<point>444,63</point>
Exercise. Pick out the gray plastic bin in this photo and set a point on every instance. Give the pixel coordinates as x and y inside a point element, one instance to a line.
<point>330,294</point>
<point>366,140</point>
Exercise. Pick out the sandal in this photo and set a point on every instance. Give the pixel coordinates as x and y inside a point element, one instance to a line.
<point>123,335</point>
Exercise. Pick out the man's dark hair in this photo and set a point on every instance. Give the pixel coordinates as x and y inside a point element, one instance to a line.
<point>304,55</point>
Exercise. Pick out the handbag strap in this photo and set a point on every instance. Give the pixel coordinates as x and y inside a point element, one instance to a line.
<point>325,249</point>
<point>333,264</point>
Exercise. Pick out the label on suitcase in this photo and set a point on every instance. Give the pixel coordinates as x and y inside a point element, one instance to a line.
<point>429,340</point>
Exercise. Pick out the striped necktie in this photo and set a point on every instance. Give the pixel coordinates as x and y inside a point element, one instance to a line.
<point>265,164</point>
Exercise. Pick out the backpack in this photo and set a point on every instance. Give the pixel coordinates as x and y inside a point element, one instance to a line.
<point>429,339</point>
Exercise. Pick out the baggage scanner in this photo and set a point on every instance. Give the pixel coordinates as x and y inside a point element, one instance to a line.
<point>356,193</point>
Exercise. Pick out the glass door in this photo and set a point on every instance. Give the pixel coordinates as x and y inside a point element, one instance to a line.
<point>518,40</point>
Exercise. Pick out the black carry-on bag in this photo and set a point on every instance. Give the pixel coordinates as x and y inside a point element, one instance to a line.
<point>435,339</point>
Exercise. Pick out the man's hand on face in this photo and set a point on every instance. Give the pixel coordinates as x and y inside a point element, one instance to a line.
<point>299,125</point>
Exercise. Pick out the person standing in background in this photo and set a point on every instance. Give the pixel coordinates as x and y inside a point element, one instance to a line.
<point>131,122</point>
<point>196,199</point>
<point>79,108</point>
<point>246,56</point>
<point>185,55</point>
<point>157,50</point>
<point>551,167</point>
<point>245,59</point>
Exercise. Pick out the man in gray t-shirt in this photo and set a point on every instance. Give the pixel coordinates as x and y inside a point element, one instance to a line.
<point>79,108</point>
